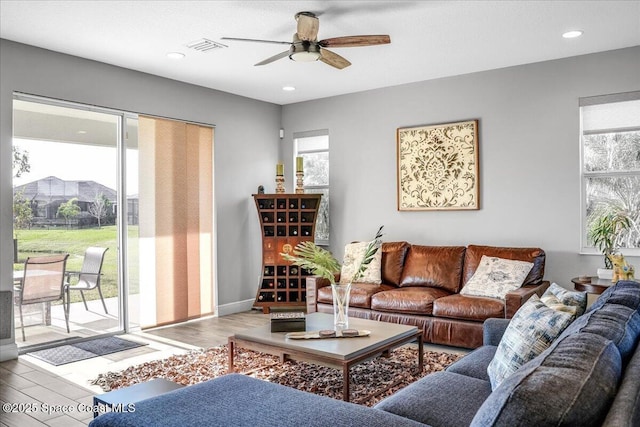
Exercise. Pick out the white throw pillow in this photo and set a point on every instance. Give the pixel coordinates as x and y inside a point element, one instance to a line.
<point>353,255</point>
<point>552,301</point>
<point>495,277</point>
<point>574,299</point>
<point>531,331</point>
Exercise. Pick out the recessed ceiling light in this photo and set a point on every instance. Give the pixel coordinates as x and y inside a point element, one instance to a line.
<point>81,132</point>
<point>572,34</point>
<point>175,55</point>
<point>288,88</point>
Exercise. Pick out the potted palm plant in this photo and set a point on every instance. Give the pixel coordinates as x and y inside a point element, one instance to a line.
<point>322,263</point>
<point>605,234</point>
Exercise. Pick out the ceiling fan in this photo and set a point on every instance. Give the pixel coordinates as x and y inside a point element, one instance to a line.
<point>305,46</point>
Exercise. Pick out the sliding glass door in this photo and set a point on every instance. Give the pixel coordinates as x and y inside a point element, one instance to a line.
<point>138,189</point>
<point>75,188</point>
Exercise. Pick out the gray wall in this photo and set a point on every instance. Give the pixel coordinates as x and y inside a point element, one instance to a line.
<point>529,152</point>
<point>246,147</point>
<point>529,155</point>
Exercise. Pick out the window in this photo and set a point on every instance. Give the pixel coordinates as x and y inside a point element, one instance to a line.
<point>313,147</point>
<point>610,165</point>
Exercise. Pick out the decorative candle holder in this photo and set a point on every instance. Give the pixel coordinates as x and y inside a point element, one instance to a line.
<point>280,178</point>
<point>299,182</point>
<point>280,184</point>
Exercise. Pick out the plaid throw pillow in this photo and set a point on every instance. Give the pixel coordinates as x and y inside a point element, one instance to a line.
<point>530,332</point>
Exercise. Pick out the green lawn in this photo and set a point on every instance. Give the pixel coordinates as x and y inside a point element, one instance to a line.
<point>74,242</point>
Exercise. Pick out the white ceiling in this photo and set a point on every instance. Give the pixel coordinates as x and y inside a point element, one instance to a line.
<point>429,39</point>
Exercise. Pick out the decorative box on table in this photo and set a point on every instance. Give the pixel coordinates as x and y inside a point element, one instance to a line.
<point>288,321</point>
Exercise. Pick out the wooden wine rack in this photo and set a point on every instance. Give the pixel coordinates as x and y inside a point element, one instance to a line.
<point>285,221</point>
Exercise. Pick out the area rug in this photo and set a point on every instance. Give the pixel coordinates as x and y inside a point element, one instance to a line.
<point>69,353</point>
<point>370,381</point>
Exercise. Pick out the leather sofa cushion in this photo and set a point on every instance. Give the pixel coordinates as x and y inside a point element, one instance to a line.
<point>414,300</point>
<point>456,333</point>
<point>393,256</point>
<point>360,295</point>
<point>433,266</point>
<point>468,307</point>
<point>535,255</point>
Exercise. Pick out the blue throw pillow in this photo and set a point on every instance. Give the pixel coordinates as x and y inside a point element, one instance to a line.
<point>530,332</point>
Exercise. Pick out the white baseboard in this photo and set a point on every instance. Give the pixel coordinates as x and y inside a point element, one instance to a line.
<point>234,307</point>
<point>8,352</point>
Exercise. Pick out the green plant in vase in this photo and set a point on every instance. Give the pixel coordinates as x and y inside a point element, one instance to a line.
<point>322,263</point>
<point>605,231</point>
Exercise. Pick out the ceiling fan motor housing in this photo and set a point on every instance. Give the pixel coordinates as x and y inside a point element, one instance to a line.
<point>304,50</point>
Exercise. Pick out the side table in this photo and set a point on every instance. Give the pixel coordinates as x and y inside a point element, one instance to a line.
<point>133,394</point>
<point>593,285</point>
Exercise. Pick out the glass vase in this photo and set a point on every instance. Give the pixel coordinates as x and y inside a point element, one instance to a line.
<point>341,305</point>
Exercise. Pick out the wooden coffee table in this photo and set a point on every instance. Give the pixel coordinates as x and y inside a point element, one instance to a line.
<point>338,353</point>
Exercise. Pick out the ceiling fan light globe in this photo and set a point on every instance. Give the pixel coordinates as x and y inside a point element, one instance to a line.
<point>303,56</point>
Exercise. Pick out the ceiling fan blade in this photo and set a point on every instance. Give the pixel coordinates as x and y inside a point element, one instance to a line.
<point>254,40</point>
<point>333,59</point>
<point>355,41</point>
<point>274,58</point>
<point>308,26</point>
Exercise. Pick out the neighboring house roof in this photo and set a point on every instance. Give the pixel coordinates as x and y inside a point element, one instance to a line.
<point>52,188</point>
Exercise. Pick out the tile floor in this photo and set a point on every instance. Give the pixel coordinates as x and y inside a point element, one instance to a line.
<point>65,391</point>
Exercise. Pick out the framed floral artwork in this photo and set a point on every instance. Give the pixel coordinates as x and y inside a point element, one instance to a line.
<point>438,167</point>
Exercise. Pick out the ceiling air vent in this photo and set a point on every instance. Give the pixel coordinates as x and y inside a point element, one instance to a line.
<point>205,45</point>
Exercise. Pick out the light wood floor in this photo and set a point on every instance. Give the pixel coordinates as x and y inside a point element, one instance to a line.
<point>29,383</point>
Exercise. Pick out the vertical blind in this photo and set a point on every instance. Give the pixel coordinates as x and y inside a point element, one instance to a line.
<point>176,215</point>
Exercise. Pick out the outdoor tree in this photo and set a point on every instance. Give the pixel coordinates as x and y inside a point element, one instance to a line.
<point>69,210</point>
<point>22,213</point>
<point>20,162</point>
<point>619,195</point>
<point>99,208</point>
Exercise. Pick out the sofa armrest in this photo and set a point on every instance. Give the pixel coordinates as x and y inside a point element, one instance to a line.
<point>515,299</point>
<point>313,283</point>
<point>492,330</point>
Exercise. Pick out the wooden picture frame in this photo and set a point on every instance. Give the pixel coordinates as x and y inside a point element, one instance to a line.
<point>438,167</point>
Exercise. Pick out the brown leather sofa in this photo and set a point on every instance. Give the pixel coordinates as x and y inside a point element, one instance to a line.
<point>421,284</point>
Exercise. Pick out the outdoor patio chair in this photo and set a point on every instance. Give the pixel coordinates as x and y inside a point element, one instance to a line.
<point>42,282</point>
<point>89,275</point>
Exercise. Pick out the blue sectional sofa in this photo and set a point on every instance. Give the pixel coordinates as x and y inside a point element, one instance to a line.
<point>590,375</point>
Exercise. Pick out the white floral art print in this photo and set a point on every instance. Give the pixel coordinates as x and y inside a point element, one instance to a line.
<point>438,167</point>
